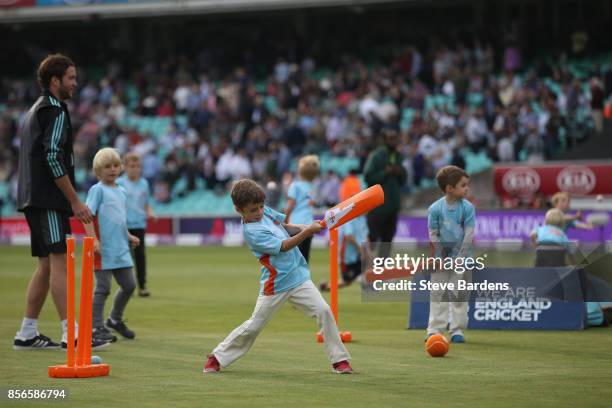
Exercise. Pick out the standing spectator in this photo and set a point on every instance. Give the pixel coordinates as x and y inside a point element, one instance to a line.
<point>597,104</point>
<point>384,167</point>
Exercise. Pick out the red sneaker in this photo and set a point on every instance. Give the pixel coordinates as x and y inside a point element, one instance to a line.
<point>342,367</point>
<point>212,364</point>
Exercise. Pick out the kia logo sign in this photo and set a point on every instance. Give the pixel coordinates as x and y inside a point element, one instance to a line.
<point>577,180</point>
<point>521,181</point>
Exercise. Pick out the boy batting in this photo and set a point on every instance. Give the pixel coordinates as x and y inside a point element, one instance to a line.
<point>285,277</point>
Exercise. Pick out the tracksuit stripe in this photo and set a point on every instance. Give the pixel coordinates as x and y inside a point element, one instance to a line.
<point>50,155</point>
<point>50,222</point>
<point>58,135</point>
<point>54,227</point>
<point>55,233</point>
<point>57,227</point>
<point>50,158</point>
<point>55,137</point>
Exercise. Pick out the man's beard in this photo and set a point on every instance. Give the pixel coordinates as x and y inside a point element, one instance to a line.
<point>64,92</point>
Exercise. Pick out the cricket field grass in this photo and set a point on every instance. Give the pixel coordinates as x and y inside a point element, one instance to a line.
<point>200,294</point>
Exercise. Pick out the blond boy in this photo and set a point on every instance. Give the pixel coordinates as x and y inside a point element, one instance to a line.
<point>300,198</point>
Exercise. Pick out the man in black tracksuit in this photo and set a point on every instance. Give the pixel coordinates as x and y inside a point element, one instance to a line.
<point>47,196</point>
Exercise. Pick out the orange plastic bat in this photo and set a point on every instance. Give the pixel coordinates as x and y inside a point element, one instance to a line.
<point>353,207</point>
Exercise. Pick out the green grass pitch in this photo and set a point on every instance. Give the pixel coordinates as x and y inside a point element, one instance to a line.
<point>201,294</point>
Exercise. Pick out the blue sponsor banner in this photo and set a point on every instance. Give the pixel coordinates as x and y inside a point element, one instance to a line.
<point>536,299</point>
<point>76,2</point>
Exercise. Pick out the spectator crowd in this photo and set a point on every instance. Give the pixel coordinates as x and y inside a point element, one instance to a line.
<point>219,128</point>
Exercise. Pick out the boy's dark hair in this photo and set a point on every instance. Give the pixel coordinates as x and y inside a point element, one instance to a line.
<point>55,65</point>
<point>247,192</point>
<point>450,176</point>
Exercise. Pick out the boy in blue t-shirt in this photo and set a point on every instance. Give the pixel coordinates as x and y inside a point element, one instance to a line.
<point>300,198</point>
<point>108,203</point>
<point>551,233</point>
<point>284,277</point>
<point>138,210</point>
<point>551,241</point>
<point>450,221</point>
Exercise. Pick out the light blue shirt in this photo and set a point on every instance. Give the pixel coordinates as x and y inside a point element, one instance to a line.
<point>302,192</point>
<point>280,271</point>
<point>551,235</point>
<point>109,205</point>
<point>358,229</point>
<point>138,197</point>
<point>451,221</point>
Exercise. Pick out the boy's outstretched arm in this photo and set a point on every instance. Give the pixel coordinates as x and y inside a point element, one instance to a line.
<point>294,229</point>
<point>583,225</point>
<point>295,240</point>
<point>577,219</point>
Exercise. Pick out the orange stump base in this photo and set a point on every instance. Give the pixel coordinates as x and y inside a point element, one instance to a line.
<point>345,336</point>
<point>85,371</point>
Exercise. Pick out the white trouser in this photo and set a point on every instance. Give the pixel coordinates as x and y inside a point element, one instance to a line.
<point>305,297</point>
<point>442,311</point>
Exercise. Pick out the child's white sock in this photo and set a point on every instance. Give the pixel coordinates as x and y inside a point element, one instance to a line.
<point>65,330</point>
<point>29,328</point>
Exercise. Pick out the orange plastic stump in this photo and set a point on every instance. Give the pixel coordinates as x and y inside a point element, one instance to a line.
<point>85,371</point>
<point>79,366</point>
